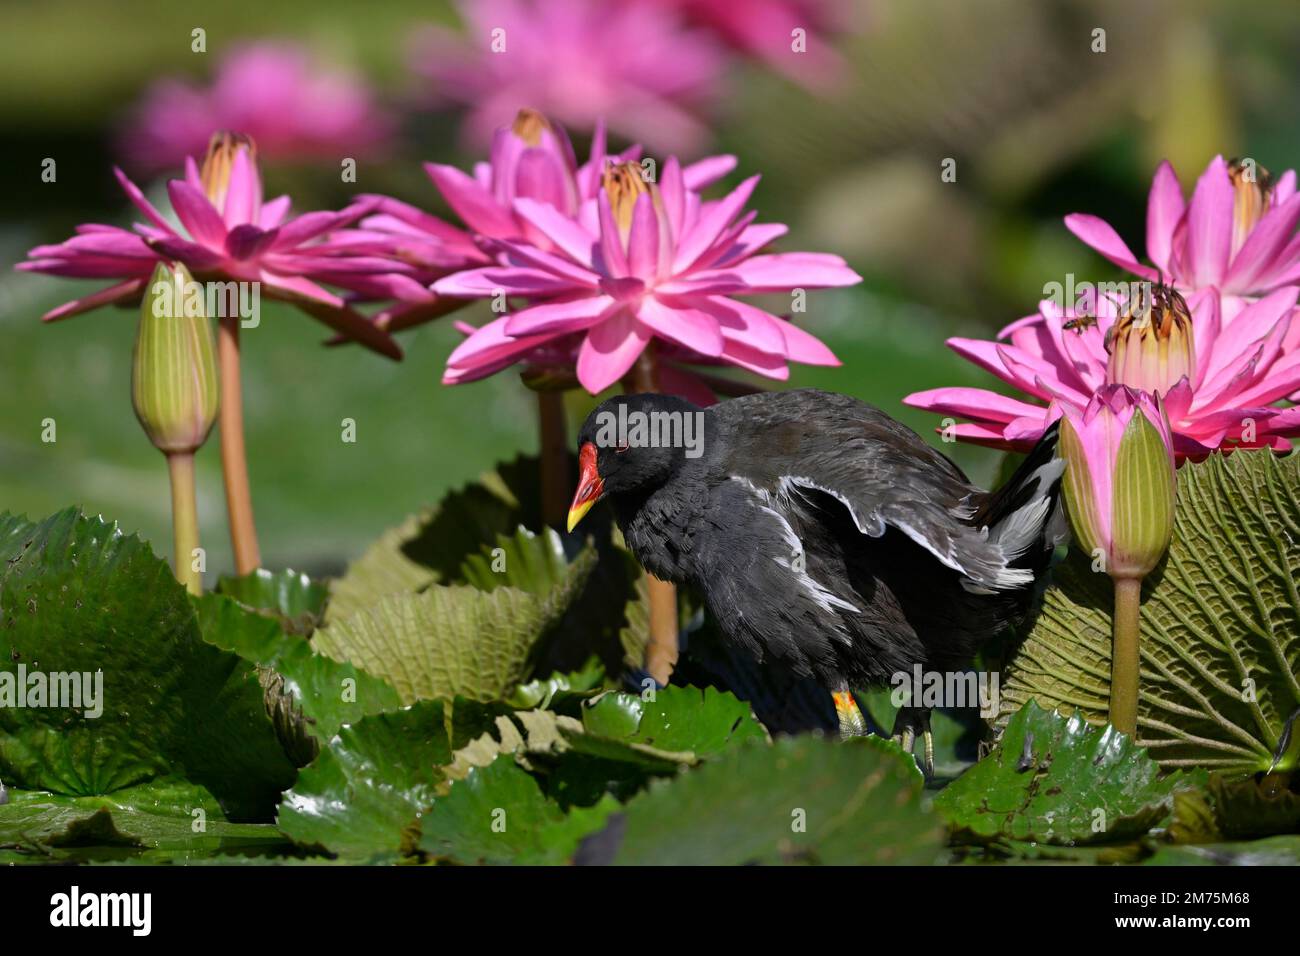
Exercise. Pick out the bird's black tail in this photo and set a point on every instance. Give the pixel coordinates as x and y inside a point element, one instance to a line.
<point>1025,515</point>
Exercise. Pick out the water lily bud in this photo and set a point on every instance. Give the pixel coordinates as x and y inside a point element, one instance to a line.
<point>1151,343</point>
<point>1252,191</point>
<point>528,126</point>
<point>1119,479</point>
<point>173,373</point>
<point>220,159</point>
<point>624,184</point>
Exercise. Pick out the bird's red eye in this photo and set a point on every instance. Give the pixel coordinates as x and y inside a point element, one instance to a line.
<point>621,448</point>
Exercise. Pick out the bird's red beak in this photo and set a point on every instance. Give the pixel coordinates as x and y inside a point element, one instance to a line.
<point>590,486</point>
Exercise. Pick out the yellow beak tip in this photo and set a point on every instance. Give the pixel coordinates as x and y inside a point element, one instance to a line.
<point>577,513</point>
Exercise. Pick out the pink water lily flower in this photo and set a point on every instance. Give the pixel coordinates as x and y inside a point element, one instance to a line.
<point>644,261</point>
<point>576,61</point>
<point>227,233</point>
<point>294,108</point>
<point>1219,381</point>
<point>1237,234</point>
<point>766,29</point>
<point>530,159</point>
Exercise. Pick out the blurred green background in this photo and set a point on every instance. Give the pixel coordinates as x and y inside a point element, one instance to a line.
<point>1039,125</point>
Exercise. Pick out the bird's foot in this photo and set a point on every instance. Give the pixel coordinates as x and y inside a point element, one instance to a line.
<point>907,723</point>
<point>852,723</point>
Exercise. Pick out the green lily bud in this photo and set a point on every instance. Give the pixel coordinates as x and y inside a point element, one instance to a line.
<point>173,373</point>
<point>1119,479</point>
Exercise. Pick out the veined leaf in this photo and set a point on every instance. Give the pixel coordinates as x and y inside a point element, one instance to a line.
<point>1220,670</point>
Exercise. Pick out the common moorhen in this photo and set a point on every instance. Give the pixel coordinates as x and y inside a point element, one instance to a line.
<point>823,535</point>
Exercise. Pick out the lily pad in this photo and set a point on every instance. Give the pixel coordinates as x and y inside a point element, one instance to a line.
<point>498,814</point>
<point>359,797</point>
<point>429,547</point>
<point>78,597</point>
<point>176,819</point>
<point>701,721</point>
<point>1234,808</point>
<point>1059,780</point>
<point>1220,624</point>
<point>456,640</point>
<point>799,800</point>
<point>295,598</point>
<point>326,692</point>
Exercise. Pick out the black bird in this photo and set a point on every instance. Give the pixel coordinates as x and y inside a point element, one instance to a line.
<point>823,535</point>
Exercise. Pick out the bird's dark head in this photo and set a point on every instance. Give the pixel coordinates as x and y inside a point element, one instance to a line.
<point>633,444</point>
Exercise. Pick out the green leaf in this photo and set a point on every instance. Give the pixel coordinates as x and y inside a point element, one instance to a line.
<point>799,800</point>
<point>682,719</point>
<point>179,821</point>
<point>1058,780</point>
<point>325,692</point>
<point>429,547</point>
<point>457,640</point>
<point>498,815</point>
<point>295,598</point>
<point>1220,623</point>
<point>359,797</point>
<point>79,597</point>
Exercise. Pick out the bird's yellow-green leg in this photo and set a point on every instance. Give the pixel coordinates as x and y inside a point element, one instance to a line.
<point>907,722</point>
<point>852,723</point>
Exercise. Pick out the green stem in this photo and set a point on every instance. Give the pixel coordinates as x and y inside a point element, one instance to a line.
<point>185,520</point>
<point>1124,658</point>
<point>234,460</point>
<point>662,646</point>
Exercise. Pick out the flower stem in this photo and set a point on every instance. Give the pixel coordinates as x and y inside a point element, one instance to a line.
<point>554,457</point>
<point>185,520</point>
<point>234,460</point>
<point>661,647</point>
<point>1124,658</point>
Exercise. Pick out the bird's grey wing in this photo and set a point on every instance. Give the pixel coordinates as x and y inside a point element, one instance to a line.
<point>884,474</point>
<point>752,569</point>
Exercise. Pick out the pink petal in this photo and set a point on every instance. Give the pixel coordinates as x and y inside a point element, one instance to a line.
<point>977,403</point>
<point>505,280</point>
<point>783,271</point>
<point>554,318</point>
<point>609,350</point>
<point>746,323</point>
<point>143,204</point>
<point>197,214</point>
<point>643,240</point>
<point>743,355</point>
<point>121,292</point>
<point>273,212</point>
<point>244,192</point>
<point>1104,239</point>
<point>475,205</point>
<point>565,233</point>
<point>248,241</point>
<point>1209,226</point>
<point>713,220</point>
<point>692,328</point>
<point>613,260</point>
<point>707,171</point>
<point>1263,246</point>
<point>1164,209</point>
